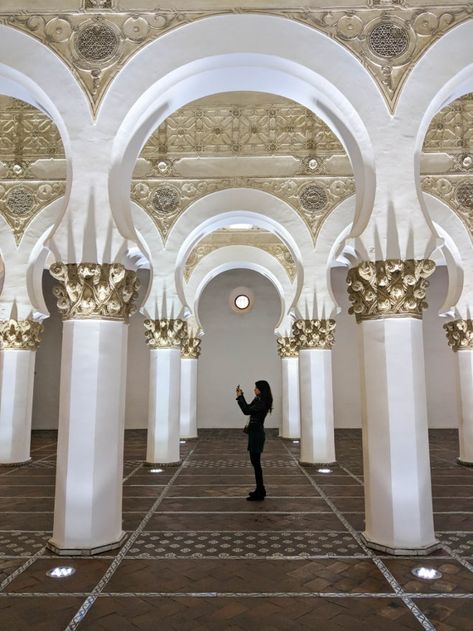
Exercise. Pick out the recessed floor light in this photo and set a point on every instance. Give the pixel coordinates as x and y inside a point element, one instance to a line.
<point>155,470</point>
<point>61,572</point>
<point>426,573</point>
<point>324,470</point>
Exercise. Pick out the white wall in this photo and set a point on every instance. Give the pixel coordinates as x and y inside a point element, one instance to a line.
<point>440,361</point>
<point>345,359</point>
<point>237,349</point>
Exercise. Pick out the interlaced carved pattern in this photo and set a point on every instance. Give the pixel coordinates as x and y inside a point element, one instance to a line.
<point>191,347</point>
<point>459,334</point>
<point>24,335</point>
<point>287,346</point>
<point>387,289</point>
<point>314,334</point>
<point>96,291</point>
<point>165,333</point>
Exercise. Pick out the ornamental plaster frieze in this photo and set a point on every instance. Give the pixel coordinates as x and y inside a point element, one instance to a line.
<point>388,39</point>
<point>20,335</point>
<point>312,198</point>
<point>456,191</point>
<point>263,240</point>
<point>314,334</point>
<point>191,347</point>
<point>21,201</point>
<point>460,334</point>
<point>95,291</point>
<point>287,347</point>
<point>269,128</point>
<point>389,289</point>
<point>165,333</point>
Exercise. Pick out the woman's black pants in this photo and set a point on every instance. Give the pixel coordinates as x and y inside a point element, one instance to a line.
<point>255,458</point>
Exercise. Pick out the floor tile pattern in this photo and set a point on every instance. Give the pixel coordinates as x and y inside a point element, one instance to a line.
<point>199,556</point>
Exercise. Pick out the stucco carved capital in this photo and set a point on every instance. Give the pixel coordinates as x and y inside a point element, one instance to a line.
<point>314,334</point>
<point>95,291</point>
<point>20,335</point>
<point>191,347</point>
<point>460,334</point>
<point>389,289</point>
<point>287,346</point>
<point>165,333</point>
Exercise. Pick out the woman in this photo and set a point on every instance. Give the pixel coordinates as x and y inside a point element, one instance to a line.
<point>257,411</point>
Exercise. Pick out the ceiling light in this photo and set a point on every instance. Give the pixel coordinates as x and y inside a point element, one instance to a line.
<point>426,573</point>
<point>183,442</point>
<point>324,470</point>
<point>296,442</point>
<point>155,470</point>
<point>61,572</point>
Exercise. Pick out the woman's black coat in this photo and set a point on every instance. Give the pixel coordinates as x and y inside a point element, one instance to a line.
<point>257,411</point>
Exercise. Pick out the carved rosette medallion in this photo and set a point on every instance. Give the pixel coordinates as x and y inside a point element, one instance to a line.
<point>95,291</point>
<point>287,347</point>
<point>389,289</point>
<point>310,334</point>
<point>165,333</point>
<point>460,334</point>
<point>191,347</point>
<point>20,335</point>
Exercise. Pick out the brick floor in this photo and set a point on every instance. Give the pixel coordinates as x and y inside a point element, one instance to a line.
<point>206,559</point>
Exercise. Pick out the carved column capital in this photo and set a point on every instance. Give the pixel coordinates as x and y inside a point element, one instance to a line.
<point>389,289</point>
<point>95,291</point>
<point>165,333</point>
<point>191,347</point>
<point>20,335</point>
<point>460,334</point>
<point>314,334</point>
<point>287,346</point>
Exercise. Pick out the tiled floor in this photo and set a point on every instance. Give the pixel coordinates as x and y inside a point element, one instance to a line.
<point>199,556</point>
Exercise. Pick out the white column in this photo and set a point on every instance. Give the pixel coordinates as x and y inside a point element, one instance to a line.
<point>291,410</point>
<point>317,427</point>
<point>88,504</point>
<point>164,403</point>
<point>398,495</point>
<point>16,401</point>
<point>188,411</point>
<point>465,431</point>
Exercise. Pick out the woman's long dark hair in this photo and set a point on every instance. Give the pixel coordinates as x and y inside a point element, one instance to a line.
<point>265,390</point>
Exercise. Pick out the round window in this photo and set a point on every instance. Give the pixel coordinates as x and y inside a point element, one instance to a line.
<point>242,302</point>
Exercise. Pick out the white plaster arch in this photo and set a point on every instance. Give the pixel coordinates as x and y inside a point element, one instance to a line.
<point>458,255</point>
<point>218,210</point>
<point>241,52</point>
<point>242,257</point>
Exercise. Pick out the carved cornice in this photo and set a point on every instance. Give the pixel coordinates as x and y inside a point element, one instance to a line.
<point>95,291</point>
<point>313,198</point>
<point>389,289</point>
<point>310,334</point>
<point>191,347</point>
<point>388,39</point>
<point>287,346</point>
<point>460,334</point>
<point>20,202</point>
<point>165,333</point>
<point>20,335</point>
